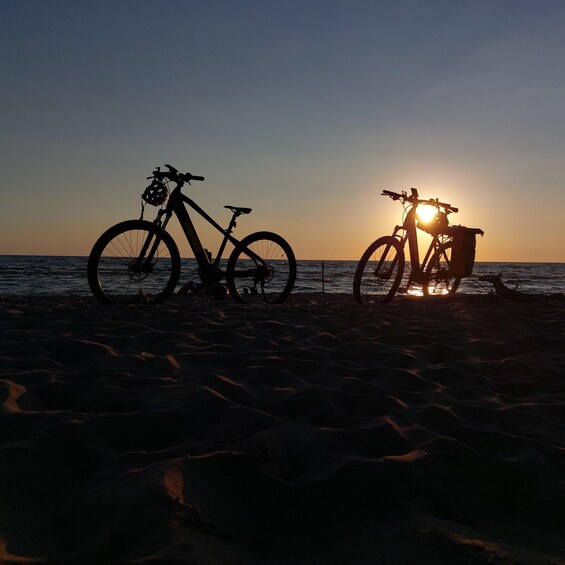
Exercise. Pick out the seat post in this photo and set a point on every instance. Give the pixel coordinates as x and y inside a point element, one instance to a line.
<point>229,230</point>
<point>233,223</point>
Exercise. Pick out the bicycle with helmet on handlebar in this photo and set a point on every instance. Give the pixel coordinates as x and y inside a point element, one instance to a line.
<point>449,258</point>
<point>137,261</point>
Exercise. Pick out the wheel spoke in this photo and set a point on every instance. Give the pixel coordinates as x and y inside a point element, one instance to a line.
<point>379,271</point>
<point>269,279</point>
<point>439,278</point>
<point>117,273</point>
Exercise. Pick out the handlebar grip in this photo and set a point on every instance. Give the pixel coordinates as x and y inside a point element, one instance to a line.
<point>444,205</point>
<point>187,177</point>
<point>393,195</point>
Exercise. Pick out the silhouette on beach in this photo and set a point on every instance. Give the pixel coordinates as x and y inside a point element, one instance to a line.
<point>138,261</point>
<point>449,258</point>
<point>503,290</point>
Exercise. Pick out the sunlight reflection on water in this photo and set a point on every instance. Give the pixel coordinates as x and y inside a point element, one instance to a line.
<point>32,275</point>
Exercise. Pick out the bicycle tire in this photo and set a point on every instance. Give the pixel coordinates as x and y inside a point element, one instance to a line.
<point>438,280</point>
<point>117,274</point>
<point>269,280</point>
<point>379,272</point>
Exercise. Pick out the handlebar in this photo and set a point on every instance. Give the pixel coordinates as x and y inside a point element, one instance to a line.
<point>174,175</point>
<point>414,200</point>
<point>438,204</point>
<point>393,195</point>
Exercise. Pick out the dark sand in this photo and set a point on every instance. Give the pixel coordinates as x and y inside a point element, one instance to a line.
<point>315,432</point>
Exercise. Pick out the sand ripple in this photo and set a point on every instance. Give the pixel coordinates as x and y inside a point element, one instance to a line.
<point>319,431</point>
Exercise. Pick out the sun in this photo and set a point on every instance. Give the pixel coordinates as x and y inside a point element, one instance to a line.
<point>426,213</point>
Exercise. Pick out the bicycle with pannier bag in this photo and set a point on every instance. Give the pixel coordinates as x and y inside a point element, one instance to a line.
<point>450,256</point>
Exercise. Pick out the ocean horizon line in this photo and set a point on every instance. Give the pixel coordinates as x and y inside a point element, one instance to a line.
<point>297,258</point>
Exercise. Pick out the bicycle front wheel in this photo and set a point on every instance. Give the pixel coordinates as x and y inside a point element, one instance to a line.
<point>134,262</point>
<point>439,279</point>
<point>379,271</point>
<point>261,268</point>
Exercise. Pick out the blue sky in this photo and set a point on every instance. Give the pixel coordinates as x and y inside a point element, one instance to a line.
<point>303,111</point>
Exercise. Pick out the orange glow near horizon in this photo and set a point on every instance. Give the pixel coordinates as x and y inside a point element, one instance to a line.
<point>330,237</point>
<point>482,127</point>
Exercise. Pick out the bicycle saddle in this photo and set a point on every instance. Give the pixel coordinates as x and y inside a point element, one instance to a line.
<point>237,210</point>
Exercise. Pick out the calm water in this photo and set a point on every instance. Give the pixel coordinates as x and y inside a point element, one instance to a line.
<point>37,275</point>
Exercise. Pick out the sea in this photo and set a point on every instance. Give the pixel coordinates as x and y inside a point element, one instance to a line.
<point>27,275</point>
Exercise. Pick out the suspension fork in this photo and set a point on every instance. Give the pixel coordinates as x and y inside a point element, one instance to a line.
<point>387,249</point>
<point>151,244</point>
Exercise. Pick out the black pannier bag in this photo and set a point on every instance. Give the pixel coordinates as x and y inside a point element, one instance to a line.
<point>463,250</point>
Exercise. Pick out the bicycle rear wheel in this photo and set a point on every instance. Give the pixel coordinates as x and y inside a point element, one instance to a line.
<point>439,279</point>
<point>261,268</point>
<point>379,271</point>
<point>134,262</point>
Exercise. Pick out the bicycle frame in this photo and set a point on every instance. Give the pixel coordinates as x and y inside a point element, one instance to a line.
<point>382,271</point>
<point>411,236</point>
<point>208,270</point>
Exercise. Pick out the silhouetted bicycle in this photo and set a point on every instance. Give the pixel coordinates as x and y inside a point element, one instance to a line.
<point>449,258</point>
<point>137,261</point>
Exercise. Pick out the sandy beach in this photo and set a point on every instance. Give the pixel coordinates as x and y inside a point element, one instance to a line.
<point>319,431</point>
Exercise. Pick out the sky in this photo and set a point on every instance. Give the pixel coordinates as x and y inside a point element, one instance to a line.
<point>302,110</point>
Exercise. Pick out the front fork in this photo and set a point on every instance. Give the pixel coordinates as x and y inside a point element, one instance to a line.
<point>143,263</point>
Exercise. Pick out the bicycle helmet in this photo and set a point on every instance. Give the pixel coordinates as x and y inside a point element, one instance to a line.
<point>441,221</point>
<point>156,193</point>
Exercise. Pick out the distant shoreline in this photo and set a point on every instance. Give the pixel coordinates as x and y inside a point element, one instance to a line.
<point>31,255</point>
